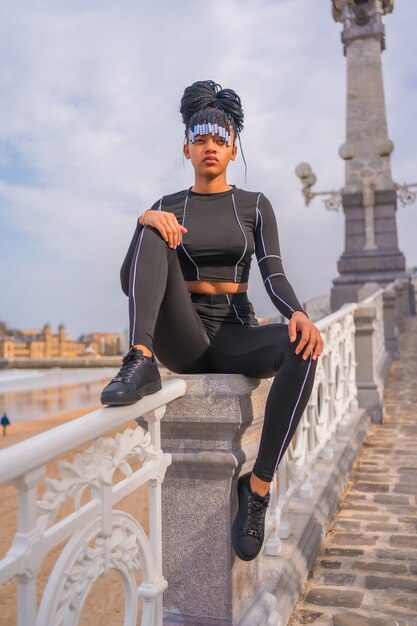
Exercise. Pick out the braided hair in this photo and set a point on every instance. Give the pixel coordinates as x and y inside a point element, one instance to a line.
<point>207,108</point>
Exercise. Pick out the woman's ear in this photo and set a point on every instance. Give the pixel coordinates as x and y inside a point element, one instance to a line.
<point>186,150</point>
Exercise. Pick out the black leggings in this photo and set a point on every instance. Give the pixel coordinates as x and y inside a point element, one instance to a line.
<point>199,333</point>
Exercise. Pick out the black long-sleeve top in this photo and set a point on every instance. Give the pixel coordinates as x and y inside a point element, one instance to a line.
<point>223,231</point>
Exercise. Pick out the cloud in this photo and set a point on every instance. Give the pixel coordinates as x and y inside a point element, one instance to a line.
<point>91,134</point>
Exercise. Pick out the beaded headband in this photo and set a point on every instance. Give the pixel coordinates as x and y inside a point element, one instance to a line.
<point>209,129</point>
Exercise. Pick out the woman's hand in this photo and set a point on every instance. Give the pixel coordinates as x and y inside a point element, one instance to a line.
<point>310,335</point>
<point>167,224</point>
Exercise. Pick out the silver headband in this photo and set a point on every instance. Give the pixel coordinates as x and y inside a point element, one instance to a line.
<point>207,129</point>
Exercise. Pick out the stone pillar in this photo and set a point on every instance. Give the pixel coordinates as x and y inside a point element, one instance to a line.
<point>412,297</point>
<point>399,305</point>
<point>407,296</point>
<point>213,435</point>
<point>369,395</point>
<point>390,328</point>
<point>369,197</point>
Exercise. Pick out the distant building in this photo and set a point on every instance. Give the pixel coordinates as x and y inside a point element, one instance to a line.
<point>270,320</point>
<point>30,343</point>
<point>109,344</point>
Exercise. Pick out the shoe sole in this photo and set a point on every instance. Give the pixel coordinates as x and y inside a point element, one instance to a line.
<point>132,397</point>
<point>240,554</point>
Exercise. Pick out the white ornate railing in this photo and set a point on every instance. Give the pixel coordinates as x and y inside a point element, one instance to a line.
<point>331,403</point>
<point>100,537</point>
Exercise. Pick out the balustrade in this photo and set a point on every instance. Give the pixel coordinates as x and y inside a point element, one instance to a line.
<point>190,461</point>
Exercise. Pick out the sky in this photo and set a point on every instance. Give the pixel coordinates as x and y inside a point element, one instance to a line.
<point>91,136</point>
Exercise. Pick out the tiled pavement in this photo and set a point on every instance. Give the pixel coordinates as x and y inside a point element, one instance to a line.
<point>366,571</point>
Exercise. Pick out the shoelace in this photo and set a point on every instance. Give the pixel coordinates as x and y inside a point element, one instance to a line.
<point>254,523</point>
<point>130,361</point>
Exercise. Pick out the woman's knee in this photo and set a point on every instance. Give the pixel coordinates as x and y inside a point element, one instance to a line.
<point>154,233</point>
<point>285,349</point>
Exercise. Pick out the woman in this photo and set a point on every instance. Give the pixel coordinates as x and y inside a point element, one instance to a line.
<point>186,274</point>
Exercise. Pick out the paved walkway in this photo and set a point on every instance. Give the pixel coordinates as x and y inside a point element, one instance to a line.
<point>366,571</point>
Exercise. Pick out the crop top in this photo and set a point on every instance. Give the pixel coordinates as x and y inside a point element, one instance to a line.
<point>223,231</point>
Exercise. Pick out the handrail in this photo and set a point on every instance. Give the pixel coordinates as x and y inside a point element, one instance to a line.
<point>39,449</point>
<point>336,316</point>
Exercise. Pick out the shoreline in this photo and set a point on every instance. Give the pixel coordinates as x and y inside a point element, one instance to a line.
<point>19,431</point>
<point>64,362</point>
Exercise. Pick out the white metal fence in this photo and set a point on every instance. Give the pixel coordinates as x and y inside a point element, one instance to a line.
<point>331,403</point>
<point>333,398</point>
<point>99,536</point>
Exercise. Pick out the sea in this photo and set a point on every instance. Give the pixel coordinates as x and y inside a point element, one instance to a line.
<point>31,394</point>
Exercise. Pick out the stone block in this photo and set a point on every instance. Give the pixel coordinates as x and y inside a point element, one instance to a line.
<point>359,507</point>
<point>335,597</point>
<point>373,518</point>
<point>353,539</point>
<point>404,541</point>
<point>347,525</point>
<point>377,566</point>
<point>407,602</point>
<point>390,499</point>
<point>368,477</point>
<point>383,582</point>
<point>386,553</point>
<point>344,552</point>
<point>336,578</point>
<point>307,617</point>
<point>372,487</point>
<point>351,619</point>
<point>382,528</point>
<point>403,488</point>
<point>330,564</point>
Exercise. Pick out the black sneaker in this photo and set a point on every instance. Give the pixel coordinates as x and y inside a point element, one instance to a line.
<point>138,377</point>
<point>248,527</point>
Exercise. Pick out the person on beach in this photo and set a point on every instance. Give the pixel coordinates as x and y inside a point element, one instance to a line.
<point>5,422</point>
<point>186,276</point>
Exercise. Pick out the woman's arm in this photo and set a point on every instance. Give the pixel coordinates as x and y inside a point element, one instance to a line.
<point>268,254</point>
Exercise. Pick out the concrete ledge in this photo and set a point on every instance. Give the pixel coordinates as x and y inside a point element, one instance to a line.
<point>284,575</point>
<point>213,435</point>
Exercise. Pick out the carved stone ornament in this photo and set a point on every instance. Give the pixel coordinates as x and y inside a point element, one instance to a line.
<point>362,16</point>
<point>338,6</point>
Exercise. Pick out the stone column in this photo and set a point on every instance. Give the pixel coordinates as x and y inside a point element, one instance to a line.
<point>369,198</point>
<point>390,329</point>
<point>369,395</point>
<point>213,435</point>
<point>407,297</point>
<point>399,305</point>
<point>412,298</point>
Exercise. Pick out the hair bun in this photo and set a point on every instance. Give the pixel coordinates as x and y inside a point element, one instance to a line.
<point>205,94</point>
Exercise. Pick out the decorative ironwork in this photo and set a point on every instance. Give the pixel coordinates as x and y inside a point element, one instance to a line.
<point>92,469</point>
<point>405,194</point>
<point>89,555</point>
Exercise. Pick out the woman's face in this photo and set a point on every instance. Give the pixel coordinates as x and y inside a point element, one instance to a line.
<point>209,154</point>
